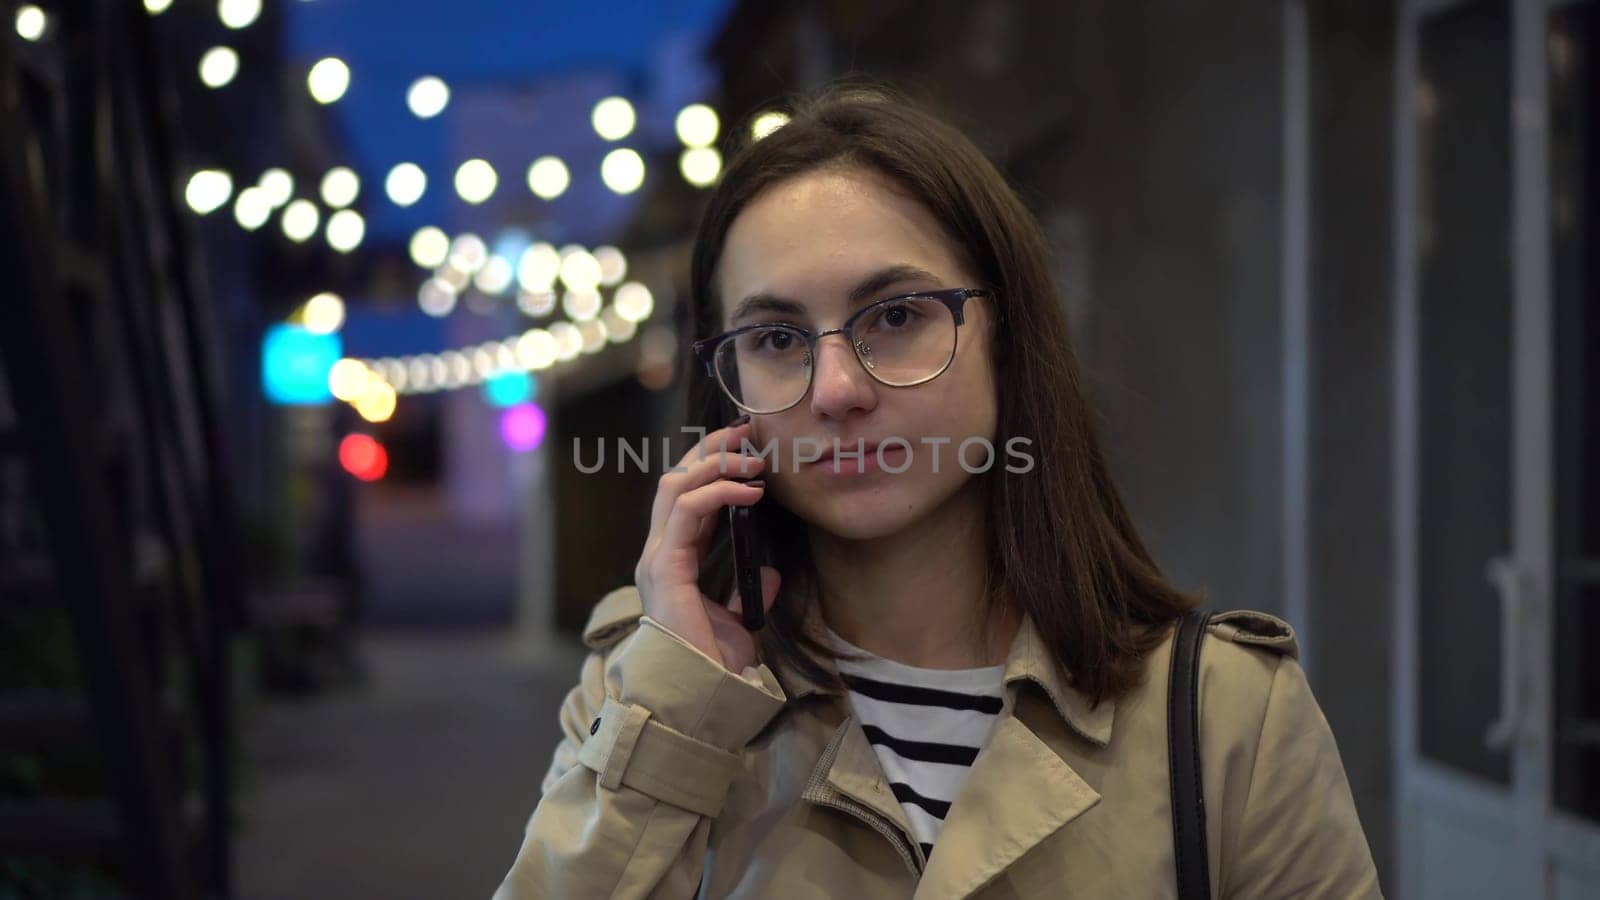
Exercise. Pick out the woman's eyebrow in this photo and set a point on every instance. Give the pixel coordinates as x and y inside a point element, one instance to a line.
<point>889,276</point>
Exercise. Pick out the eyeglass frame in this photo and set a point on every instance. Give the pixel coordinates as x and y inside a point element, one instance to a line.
<point>953,299</point>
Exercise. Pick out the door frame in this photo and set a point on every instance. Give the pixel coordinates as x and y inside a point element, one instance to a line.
<point>1541,839</point>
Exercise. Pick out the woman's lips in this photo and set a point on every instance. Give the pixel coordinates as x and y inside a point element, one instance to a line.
<point>850,464</point>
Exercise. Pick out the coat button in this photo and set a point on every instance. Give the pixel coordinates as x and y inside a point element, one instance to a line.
<point>594,726</point>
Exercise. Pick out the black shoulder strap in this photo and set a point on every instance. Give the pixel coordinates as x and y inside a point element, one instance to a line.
<point>1183,757</point>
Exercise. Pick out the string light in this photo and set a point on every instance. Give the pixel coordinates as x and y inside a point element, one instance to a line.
<point>157,7</point>
<point>31,22</point>
<point>328,80</point>
<point>340,187</point>
<point>436,297</point>
<point>633,302</point>
<point>278,184</point>
<point>427,97</point>
<point>622,170</point>
<point>495,276</point>
<point>323,314</point>
<point>700,165</point>
<point>468,253</point>
<point>697,125</point>
<point>348,379</point>
<point>346,229</point>
<point>218,66</point>
<point>429,247</point>
<point>377,403</point>
<point>580,271</point>
<point>208,190</point>
<point>538,268</point>
<point>406,184</point>
<point>476,181</point>
<point>252,208</point>
<point>300,220</point>
<point>548,177</point>
<point>613,265</point>
<point>237,14</point>
<point>613,118</point>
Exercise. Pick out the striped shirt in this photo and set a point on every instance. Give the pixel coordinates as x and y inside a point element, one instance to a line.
<point>926,727</point>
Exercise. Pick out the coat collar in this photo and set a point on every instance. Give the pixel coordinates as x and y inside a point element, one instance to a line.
<point>1029,660</point>
<point>1019,791</point>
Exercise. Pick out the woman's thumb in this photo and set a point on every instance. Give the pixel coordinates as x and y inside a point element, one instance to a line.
<point>771,579</point>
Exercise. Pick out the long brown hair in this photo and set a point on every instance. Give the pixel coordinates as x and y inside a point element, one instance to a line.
<point>1062,546</point>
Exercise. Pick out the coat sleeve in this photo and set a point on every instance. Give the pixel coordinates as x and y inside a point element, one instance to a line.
<point>1300,835</point>
<point>653,735</point>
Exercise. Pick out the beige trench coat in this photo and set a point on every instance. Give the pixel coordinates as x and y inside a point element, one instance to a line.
<point>677,778</point>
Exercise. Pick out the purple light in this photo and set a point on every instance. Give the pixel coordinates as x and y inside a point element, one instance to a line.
<point>522,427</point>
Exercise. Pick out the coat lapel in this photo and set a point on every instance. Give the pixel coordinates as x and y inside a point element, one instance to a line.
<point>1018,793</point>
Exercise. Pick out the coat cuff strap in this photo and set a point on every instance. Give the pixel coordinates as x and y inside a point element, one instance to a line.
<point>630,749</point>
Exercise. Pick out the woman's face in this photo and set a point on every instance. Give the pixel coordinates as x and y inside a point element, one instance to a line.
<point>812,240</point>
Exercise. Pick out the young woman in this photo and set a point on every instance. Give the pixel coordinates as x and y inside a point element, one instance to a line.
<point>960,690</point>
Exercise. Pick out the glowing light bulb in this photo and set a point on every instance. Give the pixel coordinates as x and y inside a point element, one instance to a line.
<point>427,97</point>
<point>613,118</point>
<point>328,80</point>
<point>622,170</point>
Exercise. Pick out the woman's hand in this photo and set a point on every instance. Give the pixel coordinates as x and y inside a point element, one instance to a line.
<point>682,523</point>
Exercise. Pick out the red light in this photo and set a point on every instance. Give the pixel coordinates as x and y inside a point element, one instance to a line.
<point>363,457</point>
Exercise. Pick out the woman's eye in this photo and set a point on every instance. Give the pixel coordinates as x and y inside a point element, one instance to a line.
<point>774,340</point>
<point>894,317</point>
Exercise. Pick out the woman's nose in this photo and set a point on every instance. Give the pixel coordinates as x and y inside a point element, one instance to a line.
<point>839,383</point>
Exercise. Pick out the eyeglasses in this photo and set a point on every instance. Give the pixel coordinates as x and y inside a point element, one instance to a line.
<point>901,341</point>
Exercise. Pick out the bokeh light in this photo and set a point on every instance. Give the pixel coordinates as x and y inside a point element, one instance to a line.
<point>633,302</point>
<point>295,364</point>
<point>340,187</point>
<point>538,268</point>
<point>218,67</point>
<point>406,184</point>
<point>613,265</point>
<point>363,457</point>
<point>300,220</point>
<point>252,208</point>
<point>208,190</point>
<point>328,80</point>
<point>700,166</point>
<point>323,314</point>
<point>348,379</point>
<point>613,118</point>
<point>476,181</point>
<point>346,229</point>
<point>522,427</point>
<point>238,14</point>
<point>495,276</point>
<point>697,125</point>
<point>377,402</point>
<point>429,247</point>
<point>436,297</point>
<point>278,184</point>
<point>508,389</point>
<point>622,170</point>
<point>548,177</point>
<point>427,97</point>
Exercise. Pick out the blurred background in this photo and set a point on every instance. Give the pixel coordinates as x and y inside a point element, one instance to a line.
<point>306,303</point>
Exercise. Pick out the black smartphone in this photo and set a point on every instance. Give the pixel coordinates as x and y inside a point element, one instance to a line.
<point>747,553</point>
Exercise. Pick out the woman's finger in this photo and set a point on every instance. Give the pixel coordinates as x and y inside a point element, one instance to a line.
<point>704,462</point>
<point>687,517</point>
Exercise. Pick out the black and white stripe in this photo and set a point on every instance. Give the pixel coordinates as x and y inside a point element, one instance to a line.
<point>926,727</point>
